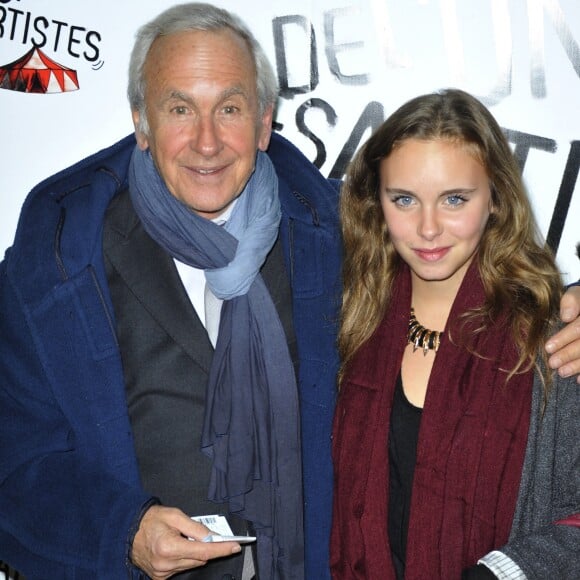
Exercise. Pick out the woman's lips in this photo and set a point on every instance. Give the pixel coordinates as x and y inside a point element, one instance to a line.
<point>431,255</point>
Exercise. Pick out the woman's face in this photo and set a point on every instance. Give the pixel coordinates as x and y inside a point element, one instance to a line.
<point>436,201</point>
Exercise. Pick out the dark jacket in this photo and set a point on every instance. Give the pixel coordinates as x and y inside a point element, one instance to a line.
<point>69,482</point>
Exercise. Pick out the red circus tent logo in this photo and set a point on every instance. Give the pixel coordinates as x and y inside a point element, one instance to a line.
<point>36,73</point>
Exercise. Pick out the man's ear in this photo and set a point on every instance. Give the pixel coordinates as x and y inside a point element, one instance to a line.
<point>265,128</point>
<point>142,140</point>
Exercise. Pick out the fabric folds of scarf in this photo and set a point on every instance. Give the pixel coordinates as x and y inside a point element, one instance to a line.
<point>251,430</point>
<point>470,452</point>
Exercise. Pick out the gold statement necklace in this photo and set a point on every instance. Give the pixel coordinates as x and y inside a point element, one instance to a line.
<point>421,337</point>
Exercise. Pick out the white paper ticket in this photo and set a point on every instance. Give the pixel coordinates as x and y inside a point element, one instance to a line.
<point>221,530</point>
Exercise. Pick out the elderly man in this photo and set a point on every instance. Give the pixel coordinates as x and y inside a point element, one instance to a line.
<point>118,414</point>
<point>168,326</point>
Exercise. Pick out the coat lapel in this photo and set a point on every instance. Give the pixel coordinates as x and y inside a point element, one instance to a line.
<point>150,274</point>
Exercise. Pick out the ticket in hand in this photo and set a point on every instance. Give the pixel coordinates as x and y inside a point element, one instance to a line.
<point>221,530</point>
<point>239,539</point>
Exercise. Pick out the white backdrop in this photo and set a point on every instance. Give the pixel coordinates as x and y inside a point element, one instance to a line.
<point>343,65</point>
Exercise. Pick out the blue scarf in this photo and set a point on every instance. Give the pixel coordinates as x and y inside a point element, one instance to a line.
<point>251,429</point>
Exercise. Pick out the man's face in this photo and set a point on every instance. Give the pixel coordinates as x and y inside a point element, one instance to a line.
<point>202,111</point>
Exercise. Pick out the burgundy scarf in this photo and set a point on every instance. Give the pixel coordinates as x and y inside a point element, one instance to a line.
<point>470,453</point>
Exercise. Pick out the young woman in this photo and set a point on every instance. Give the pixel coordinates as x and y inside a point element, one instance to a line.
<point>453,445</point>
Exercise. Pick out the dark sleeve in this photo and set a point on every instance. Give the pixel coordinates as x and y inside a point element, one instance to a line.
<point>545,539</point>
<point>62,511</point>
<point>479,572</point>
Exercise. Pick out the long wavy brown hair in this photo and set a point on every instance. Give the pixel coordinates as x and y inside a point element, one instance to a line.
<point>518,272</point>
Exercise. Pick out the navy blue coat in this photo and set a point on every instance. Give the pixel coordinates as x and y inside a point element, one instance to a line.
<point>69,482</point>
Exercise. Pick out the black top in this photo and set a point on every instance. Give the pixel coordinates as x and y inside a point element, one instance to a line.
<point>403,437</point>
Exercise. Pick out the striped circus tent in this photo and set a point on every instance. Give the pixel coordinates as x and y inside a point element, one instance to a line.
<point>36,73</point>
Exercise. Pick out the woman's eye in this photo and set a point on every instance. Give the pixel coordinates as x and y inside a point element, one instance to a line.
<point>455,200</point>
<point>403,200</point>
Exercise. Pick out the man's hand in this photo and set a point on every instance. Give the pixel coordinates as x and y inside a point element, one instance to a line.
<point>161,547</point>
<point>564,347</point>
